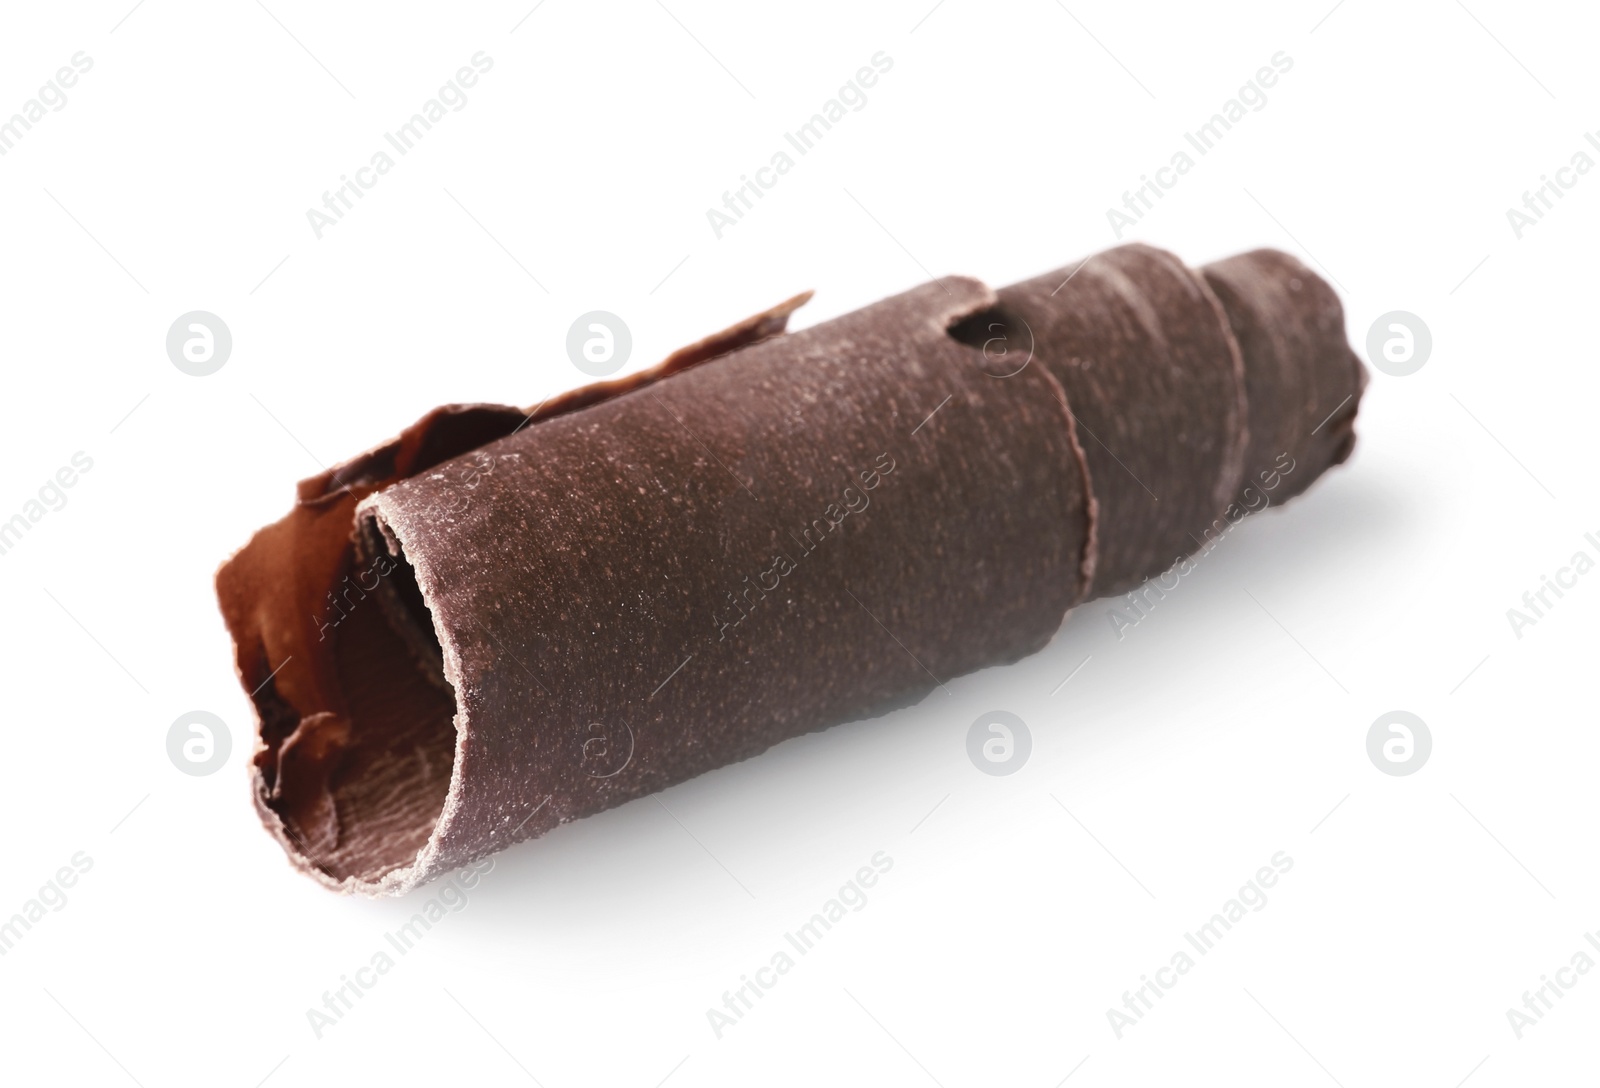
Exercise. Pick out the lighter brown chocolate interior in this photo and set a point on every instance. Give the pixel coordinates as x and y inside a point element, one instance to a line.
<point>359,793</point>
<point>357,722</point>
<point>335,642</point>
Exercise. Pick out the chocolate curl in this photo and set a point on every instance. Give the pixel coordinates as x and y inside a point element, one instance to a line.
<point>503,621</point>
<point>1303,384</point>
<point>1196,394</point>
<point>1154,379</point>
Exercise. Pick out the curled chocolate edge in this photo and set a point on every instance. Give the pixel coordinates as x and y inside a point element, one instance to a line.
<point>1276,356</point>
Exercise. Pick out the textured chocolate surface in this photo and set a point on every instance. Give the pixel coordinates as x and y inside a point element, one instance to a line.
<point>1302,381</point>
<point>504,620</point>
<point>694,593</point>
<point>1155,382</point>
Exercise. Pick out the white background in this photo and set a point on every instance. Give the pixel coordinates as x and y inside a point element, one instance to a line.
<point>1219,731</point>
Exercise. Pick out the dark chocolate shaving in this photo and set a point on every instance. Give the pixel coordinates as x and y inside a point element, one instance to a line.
<point>504,620</point>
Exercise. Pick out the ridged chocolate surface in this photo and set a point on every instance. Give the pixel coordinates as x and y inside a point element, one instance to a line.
<point>823,526</point>
<point>503,621</point>
<point>1302,381</point>
<point>1155,382</point>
